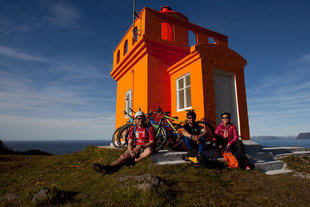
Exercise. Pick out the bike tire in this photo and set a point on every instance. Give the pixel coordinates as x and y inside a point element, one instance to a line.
<point>160,138</point>
<point>114,137</point>
<point>210,129</point>
<point>122,137</point>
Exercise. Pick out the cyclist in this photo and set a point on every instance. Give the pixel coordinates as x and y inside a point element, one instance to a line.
<point>227,138</point>
<point>194,134</point>
<point>140,145</point>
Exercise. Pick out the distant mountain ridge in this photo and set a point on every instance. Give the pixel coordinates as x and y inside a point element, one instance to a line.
<point>273,137</point>
<point>305,135</point>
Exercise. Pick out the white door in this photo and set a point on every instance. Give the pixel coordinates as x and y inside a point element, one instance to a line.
<point>225,96</point>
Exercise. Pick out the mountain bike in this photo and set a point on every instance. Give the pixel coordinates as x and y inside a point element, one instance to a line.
<point>160,132</point>
<point>122,136</point>
<point>173,130</point>
<point>115,141</point>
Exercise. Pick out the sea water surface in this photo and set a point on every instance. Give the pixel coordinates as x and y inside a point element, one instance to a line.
<point>55,147</point>
<point>283,142</point>
<point>70,146</point>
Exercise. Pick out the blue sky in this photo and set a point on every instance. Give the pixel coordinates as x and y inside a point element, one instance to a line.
<point>56,56</point>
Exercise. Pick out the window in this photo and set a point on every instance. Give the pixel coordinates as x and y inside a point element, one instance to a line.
<point>135,35</point>
<point>117,57</point>
<point>192,38</point>
<point>211,40</point>
<point>184,100</point>
<point>166,31</point>
<point>128,102</point>
<point>125,47</point>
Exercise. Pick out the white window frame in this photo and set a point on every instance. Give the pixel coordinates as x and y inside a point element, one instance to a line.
<point>178,89</point>
<point>128,103</point>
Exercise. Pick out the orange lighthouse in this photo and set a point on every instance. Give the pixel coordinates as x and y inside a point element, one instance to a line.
<point>158,67</point>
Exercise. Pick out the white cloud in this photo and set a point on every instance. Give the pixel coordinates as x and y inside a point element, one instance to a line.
<point>62,14</point>
<point>53,112</point>
<point>280,105</point>
<point>305,58</point>
<point>18,95</point>
<point>33,128</point>
<point>9,26</point>
<point>76,68</point>
<point>21,55</point>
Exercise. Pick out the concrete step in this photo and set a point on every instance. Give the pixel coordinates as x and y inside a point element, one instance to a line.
<point>276,172</point>
<point>300,153</point>
<point>283,150</point>
<point>257,157</point>
<point>163,157</point>
<point>251,146</point>
<point>268,166</point>
<point>264,159</point>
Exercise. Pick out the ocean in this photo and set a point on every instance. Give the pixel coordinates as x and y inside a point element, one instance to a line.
<point>55,147</point>
<point>283,142</point>
<point>65,147</point>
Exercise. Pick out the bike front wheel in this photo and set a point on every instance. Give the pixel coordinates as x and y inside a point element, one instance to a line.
<point>160,138</point>
<point>122,137</point>
<point>114,137</point>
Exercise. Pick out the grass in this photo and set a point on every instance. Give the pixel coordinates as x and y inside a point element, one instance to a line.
<point>186,185</point>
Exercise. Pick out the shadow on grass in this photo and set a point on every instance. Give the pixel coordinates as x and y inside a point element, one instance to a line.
<point>55,197</point>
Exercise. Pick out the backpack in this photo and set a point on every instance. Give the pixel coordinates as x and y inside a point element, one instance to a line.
<point>231,159</point>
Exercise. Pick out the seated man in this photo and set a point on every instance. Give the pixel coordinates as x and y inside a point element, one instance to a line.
<point>140,145</point>
<point>194,134</point>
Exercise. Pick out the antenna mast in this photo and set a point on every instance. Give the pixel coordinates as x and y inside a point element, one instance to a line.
<point>133,19</point>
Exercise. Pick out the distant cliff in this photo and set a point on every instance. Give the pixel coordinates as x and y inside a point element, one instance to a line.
<point>303,135</point>
<point>272,137</point>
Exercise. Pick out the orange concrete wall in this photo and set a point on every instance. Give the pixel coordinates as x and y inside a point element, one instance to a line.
<point>190,64</point>
<point>153,28</point>
<point>123,85</point>
<point>220,58</point>
<point>200,64</point>
<point>181,27</point>
<point>158,84</point>
<point>140,95</point>
<point>135,79</point>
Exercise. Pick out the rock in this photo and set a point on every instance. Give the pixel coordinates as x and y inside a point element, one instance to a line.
<point>303,135</point>
<point>41,195</point>
<point>145,181</point>
<point>144,186</point>
<point>54,196</point>
<point>9,197</point>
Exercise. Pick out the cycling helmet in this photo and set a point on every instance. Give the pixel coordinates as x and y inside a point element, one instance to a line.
<point>225,113</point>
<point>139,113</point>
<point>192,114</point>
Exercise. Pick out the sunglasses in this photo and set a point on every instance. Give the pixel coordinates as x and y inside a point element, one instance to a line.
<point>226,117</point>
<point>139,119</point>
<point>189,117</point>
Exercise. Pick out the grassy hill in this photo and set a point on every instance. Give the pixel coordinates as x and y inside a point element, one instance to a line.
<point>72,177</point>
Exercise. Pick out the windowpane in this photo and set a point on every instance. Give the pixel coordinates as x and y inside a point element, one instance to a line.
<point>184,92</point>
<point>180,83</point>
<point>117,56</point>
<point>166,31</point>
<point>125,47</point>
<point>187,80</point>
<point>128,102</point>
<point>181,99</point>
<point>188,97</point>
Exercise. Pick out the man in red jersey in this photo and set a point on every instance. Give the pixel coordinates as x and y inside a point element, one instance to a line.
<point>140,145</point>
